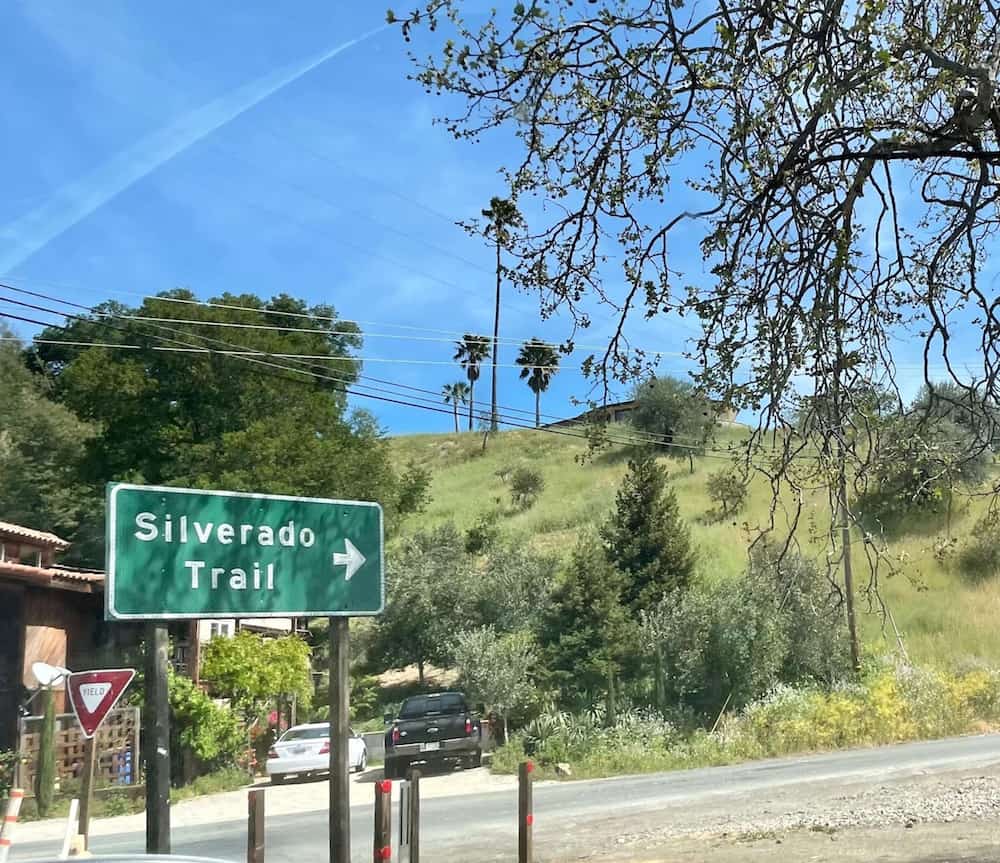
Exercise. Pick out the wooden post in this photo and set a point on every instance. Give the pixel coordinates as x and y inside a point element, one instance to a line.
<point>340,780</point>
<point>87,789</point>
<point>194,652</point>
<point>255,826</point>
<point>156,741</point>
<point>525,812</point>
<point>414,777</point>
<point>383,820</point>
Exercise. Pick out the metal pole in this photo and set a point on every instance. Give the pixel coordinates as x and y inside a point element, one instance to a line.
<point>156,741</point>
<point>525,812</point>
<point>403,854</point>
<point>414,816</point>
<point>340,781</point>
<point>383,820</point>
<point>87,791</point>
<point>255,826</point>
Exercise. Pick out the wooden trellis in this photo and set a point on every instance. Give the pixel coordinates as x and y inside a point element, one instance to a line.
<point>117,748</point>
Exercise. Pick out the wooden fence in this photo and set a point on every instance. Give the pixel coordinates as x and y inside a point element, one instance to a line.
<point>117,748</point>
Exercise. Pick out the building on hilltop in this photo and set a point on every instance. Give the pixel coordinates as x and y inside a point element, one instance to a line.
<point>619,412</point>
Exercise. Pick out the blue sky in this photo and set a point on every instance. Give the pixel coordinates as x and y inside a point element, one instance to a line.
<point>240,147</point>
<point>138,158</point>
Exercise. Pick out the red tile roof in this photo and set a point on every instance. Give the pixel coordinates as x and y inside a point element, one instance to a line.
<point>53,576</point>
<point>45,540</point>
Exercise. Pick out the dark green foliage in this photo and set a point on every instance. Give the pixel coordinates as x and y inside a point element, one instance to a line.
<point>414,489</point>
<point>365,694</point>
<point>45,772</point>
<point>672,411</point>
<point>526,484</point>
<point>727,489</point>
<point>427,588</point>
<point>154,406</point>
<point>584,633</point>
<point>645,536</point>
<point>979,558</point>
<point>42,453</point>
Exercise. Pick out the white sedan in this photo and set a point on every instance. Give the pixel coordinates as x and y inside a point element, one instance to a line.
<point>305,750</point>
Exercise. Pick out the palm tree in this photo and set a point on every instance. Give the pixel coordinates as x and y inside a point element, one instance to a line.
<point>455,394</point>
<point>502,214</point>
<point>538,361</point>
<point>470,352</point>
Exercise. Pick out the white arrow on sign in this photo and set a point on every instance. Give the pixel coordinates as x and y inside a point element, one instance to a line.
<point>351,558</point>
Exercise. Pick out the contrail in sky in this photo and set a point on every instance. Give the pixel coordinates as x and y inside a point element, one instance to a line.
<point>24,236</point>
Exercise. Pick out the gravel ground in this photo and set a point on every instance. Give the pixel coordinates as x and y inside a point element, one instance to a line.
<point>948,817</point>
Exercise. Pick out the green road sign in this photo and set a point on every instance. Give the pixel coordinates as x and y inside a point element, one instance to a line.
<point>177,553</point>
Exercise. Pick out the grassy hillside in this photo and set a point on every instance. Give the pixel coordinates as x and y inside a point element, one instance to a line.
<point>943,619</point>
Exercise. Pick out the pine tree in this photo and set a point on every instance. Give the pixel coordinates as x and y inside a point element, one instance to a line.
<point>585,632</point>
<point>645,537</point>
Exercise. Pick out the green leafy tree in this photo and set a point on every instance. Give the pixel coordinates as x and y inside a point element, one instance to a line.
<point>513,587</point>
<point>211,733</point>
<point>495,668</point>
<point>253,671</point>
<point>43,448</point>
<point>646,538</point>
<point>727,488</point>
<point>526,484</point>
<point>585,635</point>
<point>154,405</point>
<point>539,362</point>
<point>675,415</point>
<point>470,353</point>
<point>424,606</point>
<point>455,394</point>
<point>45,771</point>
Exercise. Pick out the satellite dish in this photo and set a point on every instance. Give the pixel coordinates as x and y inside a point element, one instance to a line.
<point>49,675</point>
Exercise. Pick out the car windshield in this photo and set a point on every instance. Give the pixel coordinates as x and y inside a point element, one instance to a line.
<point>317,733</point>
<point>424,705</point>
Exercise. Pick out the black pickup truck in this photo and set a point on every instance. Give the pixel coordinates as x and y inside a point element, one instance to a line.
<point>432,728</point>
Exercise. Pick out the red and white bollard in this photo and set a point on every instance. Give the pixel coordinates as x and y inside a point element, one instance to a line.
<point>383,821</point>
<point>10,822</point>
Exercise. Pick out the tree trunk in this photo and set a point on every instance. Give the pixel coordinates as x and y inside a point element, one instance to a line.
<point>659,689</point>
<point>472,400</point>
<point>454,406</point>
<point>420,672</point>
<point>538,408</point>
<point>690,461</point>
<point>845,542</point>
<point>494,419</point>
<point>505,735</point>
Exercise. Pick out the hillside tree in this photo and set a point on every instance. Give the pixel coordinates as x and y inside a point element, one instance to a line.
<point>470,352</point>
<point>795,125</point>
<point>645,537</point>
<point>455,394</point>
<point>539,361</point>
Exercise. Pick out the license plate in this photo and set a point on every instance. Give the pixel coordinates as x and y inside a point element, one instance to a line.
<point>298,750</point>
<point>430,747</point>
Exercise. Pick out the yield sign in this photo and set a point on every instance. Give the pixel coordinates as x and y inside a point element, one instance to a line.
<point>93,694</point>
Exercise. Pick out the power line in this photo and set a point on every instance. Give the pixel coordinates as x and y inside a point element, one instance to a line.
<point>246,353</point>
<point>379,396</point>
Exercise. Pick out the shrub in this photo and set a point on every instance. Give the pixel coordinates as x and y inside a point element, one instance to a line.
<point>727,489</point>
<point>212,734</point>
<point>484,533</point>
<point>8,763</point>
<point>979,558</point>
<point>365,694</point>
<point>525,487</point>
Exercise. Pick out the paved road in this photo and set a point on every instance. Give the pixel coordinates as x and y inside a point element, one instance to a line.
<point>481,827</point>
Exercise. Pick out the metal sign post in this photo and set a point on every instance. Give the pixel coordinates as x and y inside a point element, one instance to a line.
<point>189,554</point>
